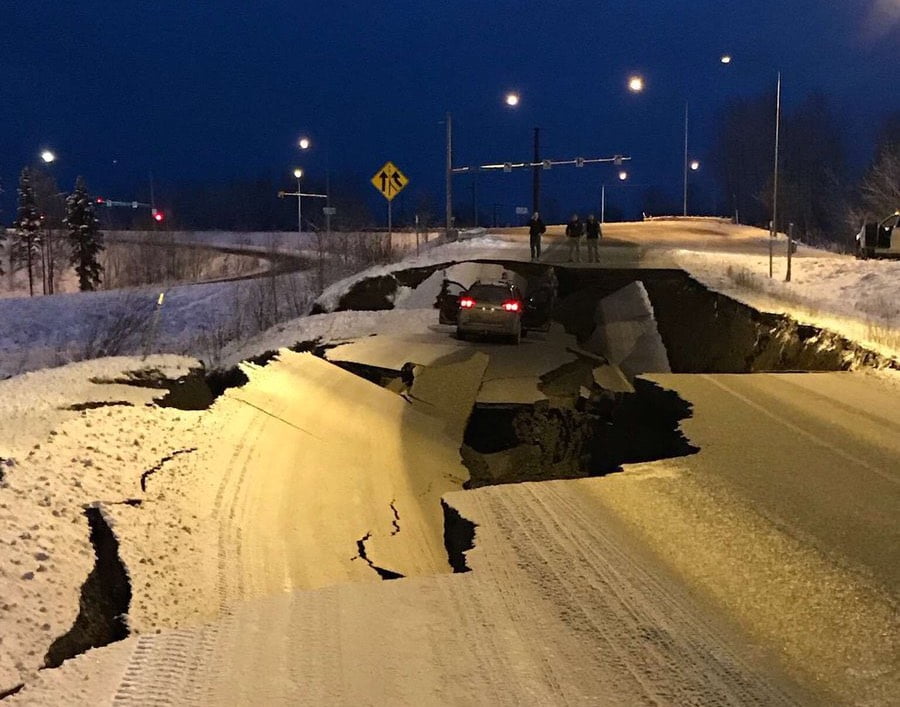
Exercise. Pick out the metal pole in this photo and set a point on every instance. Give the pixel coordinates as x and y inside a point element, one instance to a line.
<point>602,203</point>
<point>299,216</point>
<point>787,277</point>
<point>536,174</point>
<point>390,230</point>
<point>449,177</point>
<point>685,156</point>
<point>49,258</point>
<point>775,176</point>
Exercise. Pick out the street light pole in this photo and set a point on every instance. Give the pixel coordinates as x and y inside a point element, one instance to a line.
<point>297,174</point>
<point>47,251</point>
<point>536,174</point>
<point>684,211</point>
<point>774,229</point>
<point>448,205</point>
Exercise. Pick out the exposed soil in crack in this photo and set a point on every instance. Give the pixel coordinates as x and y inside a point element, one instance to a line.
<point>105,598</point>
<point>707,332</point>
<point>459,537</point>
<point>381,571</point>
<point>595,437</point>
<point>162,462</point>
<point>189,392</point>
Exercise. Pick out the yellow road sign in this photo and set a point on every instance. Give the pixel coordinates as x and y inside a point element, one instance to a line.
<point>389,180</point>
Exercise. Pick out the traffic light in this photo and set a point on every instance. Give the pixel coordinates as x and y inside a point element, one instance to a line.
<point>157,215</point>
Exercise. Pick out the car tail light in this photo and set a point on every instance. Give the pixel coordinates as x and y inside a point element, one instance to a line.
<point>512,305</point>
<point>466,302</point>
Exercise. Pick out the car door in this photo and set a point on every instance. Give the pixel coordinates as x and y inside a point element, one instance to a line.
<point>447,301</point>
<point>538,309</point>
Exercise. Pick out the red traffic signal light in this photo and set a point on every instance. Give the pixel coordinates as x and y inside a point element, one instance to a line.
<point>157,215</point>
<point>99,199</point>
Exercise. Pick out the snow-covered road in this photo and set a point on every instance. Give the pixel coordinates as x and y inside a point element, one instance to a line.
<point>255,533</point>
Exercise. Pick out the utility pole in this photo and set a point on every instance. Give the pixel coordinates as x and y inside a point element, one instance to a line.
<point>775,176</point>
<point>790,251</point>
<point>536,173</point>
<point>684,211</point>
<point>449,177</point>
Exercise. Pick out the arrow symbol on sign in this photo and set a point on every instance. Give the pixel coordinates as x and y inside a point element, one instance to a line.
<point>384,182</point>
<point>397,182</point>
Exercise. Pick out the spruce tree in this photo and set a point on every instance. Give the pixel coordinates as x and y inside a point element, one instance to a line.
<point>85,238</point>
<point>26,247</point>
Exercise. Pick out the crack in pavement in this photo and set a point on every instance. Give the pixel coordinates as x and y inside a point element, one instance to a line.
<point>396,521</point>
<point>361,554</point>
<point>149,472</point>
<point>266,412</point>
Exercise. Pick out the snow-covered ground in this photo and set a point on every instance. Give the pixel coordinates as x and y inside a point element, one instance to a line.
<point>197,320</point>
<point>56,456</point>
<point>859,299</point>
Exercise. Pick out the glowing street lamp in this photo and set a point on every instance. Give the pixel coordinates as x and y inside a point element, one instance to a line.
<point>512,99</point>
<point>48,156</point>
<point>695,165</point>
<point>303,143</point>
<point>726,59</point>
<point>636,84</point>
<point>622,175</point>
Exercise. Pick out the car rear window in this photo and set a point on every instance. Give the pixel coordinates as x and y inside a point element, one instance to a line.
<point>491,294</point>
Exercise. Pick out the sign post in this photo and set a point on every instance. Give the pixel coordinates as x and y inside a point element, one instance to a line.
<point>389,181</point>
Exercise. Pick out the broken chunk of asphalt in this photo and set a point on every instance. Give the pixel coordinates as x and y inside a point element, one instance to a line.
<point>381,571</point>
<point>221,379</point>
<point>104,601</point>
<point>152,470</point>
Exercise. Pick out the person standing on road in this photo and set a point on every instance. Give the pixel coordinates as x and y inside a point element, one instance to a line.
<point>536,229</point>
<point>574,230</point>
<point>593,234</point>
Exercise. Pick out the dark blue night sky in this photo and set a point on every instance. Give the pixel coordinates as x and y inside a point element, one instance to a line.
<point>202,89</point>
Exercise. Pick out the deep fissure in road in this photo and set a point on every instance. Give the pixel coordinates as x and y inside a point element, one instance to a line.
<point>104,601</point>
<point>702,331</point>
<point>459,537</point>
<point>707,332</point>
<point>505,444</point>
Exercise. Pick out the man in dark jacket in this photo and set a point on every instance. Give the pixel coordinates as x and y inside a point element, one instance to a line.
<point>592,236</point>
<point>574,230</point>
<point>536,228</point>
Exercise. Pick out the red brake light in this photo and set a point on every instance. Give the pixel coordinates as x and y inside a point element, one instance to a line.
<point>466,302</point>
<point>512,305</point>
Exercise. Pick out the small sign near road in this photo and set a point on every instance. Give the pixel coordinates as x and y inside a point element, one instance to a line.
<point>389,180</point>
<point>329,210</point>
<point>522,210</point>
